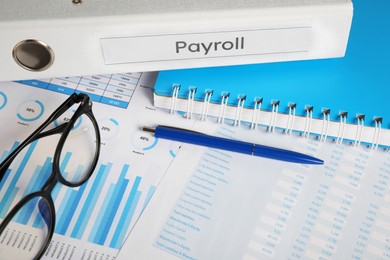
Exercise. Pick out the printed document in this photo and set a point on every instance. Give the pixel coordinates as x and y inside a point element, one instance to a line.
<point>92,220</point>
<point>214,204</point>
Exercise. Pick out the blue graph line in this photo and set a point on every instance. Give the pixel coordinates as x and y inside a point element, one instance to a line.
<point>111,211</point>
<point>91,200</point>
<point>152,145</point>
<point>39,177</point>
<point>112,207</point>
<point>38,223</point>
<point>74,200</point>
<point>151,191</point>
<point>10,194</point>
<point>127,215</point>
<point>109,218</point>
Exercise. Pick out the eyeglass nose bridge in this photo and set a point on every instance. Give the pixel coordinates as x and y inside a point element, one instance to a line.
<point>51,182</point>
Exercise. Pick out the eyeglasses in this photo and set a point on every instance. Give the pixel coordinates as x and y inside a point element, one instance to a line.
<point>75,158</point>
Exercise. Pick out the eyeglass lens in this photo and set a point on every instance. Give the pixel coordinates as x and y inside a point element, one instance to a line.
<point>79,151</point>
<point>28,173</point>
<point>31,224</point>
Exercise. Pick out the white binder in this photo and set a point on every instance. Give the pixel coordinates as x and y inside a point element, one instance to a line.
<point>41,39</point>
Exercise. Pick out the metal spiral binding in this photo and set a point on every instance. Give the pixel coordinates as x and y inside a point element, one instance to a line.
<point>377,132</point>
<point>359,129</point>
<point>326,120</point>
<point>325,124</point>
<point>309,119</point>
<point>175,94</point>
<point>274,115</point>
<point>206,103</point>
<point>190,103</point>
<point>240,108</point>
<point>222,110</point>
<point>292,107</point>
<point>256,112</point>
<point>343,121</point>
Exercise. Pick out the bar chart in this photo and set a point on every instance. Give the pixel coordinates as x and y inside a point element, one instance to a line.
<point>93,220</point>
<point>77,208</point>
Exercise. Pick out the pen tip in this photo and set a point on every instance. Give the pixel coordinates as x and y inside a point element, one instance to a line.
<point>317,161</point>
<point>148,129</point>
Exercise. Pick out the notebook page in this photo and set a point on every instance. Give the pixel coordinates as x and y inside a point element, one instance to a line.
<point>214,204</point>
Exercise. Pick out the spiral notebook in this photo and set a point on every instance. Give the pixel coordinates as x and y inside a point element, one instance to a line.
<point>345,99</point>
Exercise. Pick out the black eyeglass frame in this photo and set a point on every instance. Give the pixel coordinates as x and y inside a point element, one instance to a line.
<point>85,108</point>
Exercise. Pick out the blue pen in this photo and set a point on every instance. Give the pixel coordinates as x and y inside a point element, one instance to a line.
<point>192,137</point>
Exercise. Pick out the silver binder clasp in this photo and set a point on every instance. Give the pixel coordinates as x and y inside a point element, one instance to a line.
<point>33,55</point>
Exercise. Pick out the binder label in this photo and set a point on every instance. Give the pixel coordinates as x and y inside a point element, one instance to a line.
<point>191,46</point>
<point>205,48</point>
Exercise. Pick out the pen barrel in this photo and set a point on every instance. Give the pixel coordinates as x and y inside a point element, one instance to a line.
<point>203,140</point>
<point>284,155</point>
<point>181,135</point>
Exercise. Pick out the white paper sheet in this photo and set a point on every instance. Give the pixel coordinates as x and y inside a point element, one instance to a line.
<point>214,204</point>
<point>93,220</point>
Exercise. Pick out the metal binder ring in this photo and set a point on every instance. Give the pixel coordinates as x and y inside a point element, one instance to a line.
<point>33,55</point>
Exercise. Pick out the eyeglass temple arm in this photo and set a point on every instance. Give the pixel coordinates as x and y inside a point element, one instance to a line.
<point>70,101</point>
<point>74,98</point>
<point>3,170</point>
<point>5,164</point>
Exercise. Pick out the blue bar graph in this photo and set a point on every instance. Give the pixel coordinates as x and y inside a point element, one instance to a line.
<point>12,190</point>
<point>5,177</point>
<point>91,200</point>
<point>70,206</point>
<point>40,175</point>
<point>151,191</point>
<point>127,215</point>
<point>3,156</point>
<point>78,213</point>
<point>111,212</point>
<point>6,153</point>
<point>108,211</point>
<point>38,223</point>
